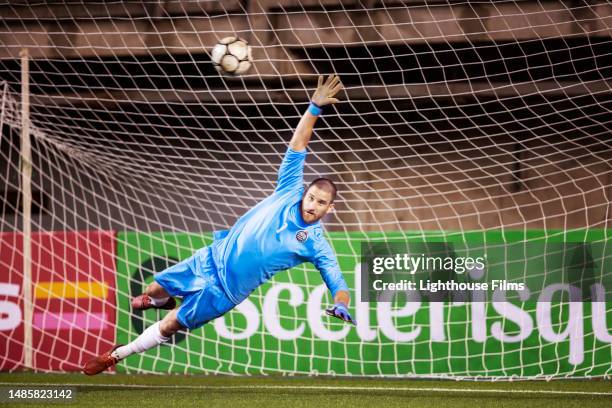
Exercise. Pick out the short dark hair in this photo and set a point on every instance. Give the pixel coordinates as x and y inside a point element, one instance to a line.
<point>325,184</point>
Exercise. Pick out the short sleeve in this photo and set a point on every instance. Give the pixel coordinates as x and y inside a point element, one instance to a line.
<point>291,172</point>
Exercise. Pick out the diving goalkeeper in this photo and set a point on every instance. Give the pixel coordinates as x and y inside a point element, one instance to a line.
<point>279,233</point>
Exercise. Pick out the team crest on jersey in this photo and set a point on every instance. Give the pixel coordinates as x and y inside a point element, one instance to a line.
<point>301,235</point>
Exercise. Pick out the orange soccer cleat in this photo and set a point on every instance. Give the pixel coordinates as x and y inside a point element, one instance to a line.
<point>101,363</point>
<point>143,302</point>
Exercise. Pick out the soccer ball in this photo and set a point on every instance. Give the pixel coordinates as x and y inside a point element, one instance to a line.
<point>232,55</point>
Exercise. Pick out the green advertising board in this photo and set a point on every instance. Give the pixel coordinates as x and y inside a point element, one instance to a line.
<point>281,327</point>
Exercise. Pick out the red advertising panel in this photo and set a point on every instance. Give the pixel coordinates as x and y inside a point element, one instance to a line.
<point>73,293</point>
<point>11,301</point>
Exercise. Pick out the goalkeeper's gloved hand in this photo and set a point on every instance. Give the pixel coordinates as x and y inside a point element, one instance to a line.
<point>324,95</point>
<point>341,312</point>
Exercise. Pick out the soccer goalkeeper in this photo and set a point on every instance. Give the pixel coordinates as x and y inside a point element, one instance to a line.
<point>277,234</point>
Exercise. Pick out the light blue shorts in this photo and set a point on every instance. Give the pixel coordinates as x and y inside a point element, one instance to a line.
<point>196,280</point>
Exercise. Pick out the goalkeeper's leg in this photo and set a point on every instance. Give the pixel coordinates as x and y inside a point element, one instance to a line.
<point>153,336</point>
<point>204,299</point>
<point>155,296</point>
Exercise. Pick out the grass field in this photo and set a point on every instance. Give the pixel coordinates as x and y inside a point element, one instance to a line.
<point>221,391</point>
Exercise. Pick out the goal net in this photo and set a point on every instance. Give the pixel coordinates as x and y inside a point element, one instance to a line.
<point>465,128</point>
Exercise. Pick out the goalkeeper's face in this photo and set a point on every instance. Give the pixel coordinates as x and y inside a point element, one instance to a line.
<point>316,203</point>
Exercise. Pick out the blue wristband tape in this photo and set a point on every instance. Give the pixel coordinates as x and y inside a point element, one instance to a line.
<point>314,109</point>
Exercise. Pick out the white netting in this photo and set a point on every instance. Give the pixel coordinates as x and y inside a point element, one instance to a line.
<point>482,121</point>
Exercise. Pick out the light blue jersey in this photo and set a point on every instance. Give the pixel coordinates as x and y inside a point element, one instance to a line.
<point>272,237</point>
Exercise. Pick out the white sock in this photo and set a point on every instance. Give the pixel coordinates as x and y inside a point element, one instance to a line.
<point>158,301</point>
<point>149,338</point>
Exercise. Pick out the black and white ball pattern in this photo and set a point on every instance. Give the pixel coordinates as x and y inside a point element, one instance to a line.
<point>232,55</point>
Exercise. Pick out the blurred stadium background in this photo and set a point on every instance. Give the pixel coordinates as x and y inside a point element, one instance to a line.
<point>122,149</point>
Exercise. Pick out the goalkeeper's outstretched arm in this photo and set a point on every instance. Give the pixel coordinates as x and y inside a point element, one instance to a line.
<point>324,95</point>
<point>327,264</point>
